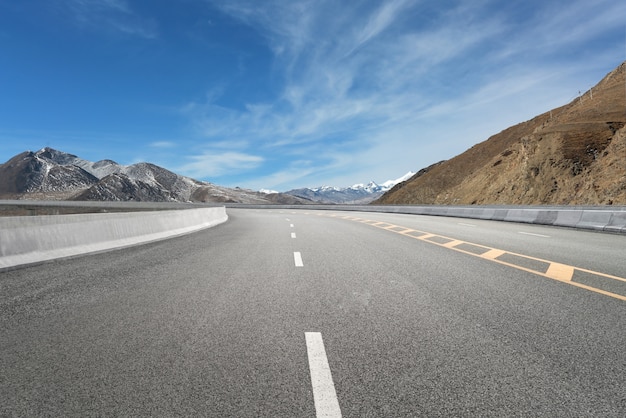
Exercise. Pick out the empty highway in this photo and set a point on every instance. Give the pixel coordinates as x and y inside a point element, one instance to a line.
<point>281,313</point>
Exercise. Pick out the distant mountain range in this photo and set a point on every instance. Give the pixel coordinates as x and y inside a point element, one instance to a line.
<point>357,194</point>
<point>49,174</point>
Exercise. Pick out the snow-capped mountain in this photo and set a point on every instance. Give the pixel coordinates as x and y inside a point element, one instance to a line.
<point>356,194</point>
<point>56,175</point>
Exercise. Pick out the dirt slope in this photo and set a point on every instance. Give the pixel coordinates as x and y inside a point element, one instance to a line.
<point>573,155</point>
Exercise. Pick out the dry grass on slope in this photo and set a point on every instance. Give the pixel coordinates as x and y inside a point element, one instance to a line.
<point>575,154</point>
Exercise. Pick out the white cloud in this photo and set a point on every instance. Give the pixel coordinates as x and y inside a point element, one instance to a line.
<point>212,163</point>
<point>294,173</point>
<point>378,21</point>
<point>320,97</point>
<point>163,144</point>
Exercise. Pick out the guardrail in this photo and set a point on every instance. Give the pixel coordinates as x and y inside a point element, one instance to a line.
<point>598,218</point>
<point>35,239</point>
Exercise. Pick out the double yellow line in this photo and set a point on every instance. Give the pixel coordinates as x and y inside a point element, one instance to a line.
<point>550,269</point>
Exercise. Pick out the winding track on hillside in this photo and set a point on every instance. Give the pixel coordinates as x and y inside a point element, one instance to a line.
<point>413,315</point>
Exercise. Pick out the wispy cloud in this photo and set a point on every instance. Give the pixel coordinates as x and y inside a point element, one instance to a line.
<point>297,172</point>
<point>163,144</point>
<point>340,82</point>
<point>111,15</point>
<point>215,163</point>
<point>376,75</point>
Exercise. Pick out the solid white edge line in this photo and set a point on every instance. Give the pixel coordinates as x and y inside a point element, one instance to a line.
<point>324,395</point>
<point>297,258</point>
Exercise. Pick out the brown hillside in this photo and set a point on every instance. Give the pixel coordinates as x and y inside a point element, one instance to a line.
<point>573,155</point>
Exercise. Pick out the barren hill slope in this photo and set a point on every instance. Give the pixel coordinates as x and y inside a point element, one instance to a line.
<point>575,154</point>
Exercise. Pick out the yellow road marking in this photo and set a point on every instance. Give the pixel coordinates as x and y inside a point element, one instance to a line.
<point>424,237</point>
<point>596,290</point>
<point>559,271</point>
<point>452,244</point>
<point>492,254</point>
<point>608,276</point>
<point>556,271</point>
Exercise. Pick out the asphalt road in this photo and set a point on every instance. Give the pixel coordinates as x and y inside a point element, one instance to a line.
<point>406,315</point>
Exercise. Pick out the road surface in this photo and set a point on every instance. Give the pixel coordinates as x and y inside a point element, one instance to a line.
<point>304,313</point>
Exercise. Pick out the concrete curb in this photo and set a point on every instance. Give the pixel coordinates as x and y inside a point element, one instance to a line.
<point>597,218</point>
<point>35,239</point>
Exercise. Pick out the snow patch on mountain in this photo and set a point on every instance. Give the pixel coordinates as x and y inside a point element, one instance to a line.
<point>360,193</point>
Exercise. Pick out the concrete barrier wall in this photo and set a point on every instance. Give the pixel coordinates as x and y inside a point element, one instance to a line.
<point>34,239</point>
<point>597,218</point>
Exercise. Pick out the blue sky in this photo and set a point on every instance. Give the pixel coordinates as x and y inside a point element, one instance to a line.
<point>286,94</point>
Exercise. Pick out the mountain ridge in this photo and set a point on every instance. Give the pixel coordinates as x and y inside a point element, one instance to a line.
<point>359,193</point>
<point>49,174</point>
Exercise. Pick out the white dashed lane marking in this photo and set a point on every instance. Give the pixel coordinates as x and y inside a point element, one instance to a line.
<point>324,395</point>
<point>297,258</point>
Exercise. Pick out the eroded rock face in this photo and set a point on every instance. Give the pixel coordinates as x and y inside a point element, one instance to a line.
<point>575,154</point>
